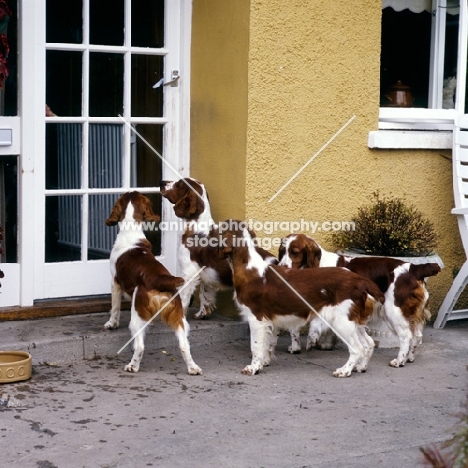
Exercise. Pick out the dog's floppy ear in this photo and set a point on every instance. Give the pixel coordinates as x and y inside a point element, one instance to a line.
<point>189,206</point>
<point>147,213</point>
<point>314,254</point>
<point>116,213</point>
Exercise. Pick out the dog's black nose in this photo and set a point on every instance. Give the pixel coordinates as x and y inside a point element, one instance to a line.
<point>163,183</point>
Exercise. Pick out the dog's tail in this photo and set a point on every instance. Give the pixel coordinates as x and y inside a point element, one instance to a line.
<point>424,270</point>
<point>374,291</point>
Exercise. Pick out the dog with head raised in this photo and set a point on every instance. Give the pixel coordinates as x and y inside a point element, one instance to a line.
<point>138,275</point>
<point>191,204</point>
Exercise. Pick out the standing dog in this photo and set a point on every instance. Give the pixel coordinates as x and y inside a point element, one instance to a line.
<point>191,204</point>
<point>271,297</point>
<point>402,283</point>
<point>137,274</point>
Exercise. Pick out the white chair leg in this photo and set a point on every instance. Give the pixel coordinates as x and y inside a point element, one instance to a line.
<point>459,284</point>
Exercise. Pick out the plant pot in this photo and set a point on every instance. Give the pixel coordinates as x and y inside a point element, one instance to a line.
<point>379,331</point>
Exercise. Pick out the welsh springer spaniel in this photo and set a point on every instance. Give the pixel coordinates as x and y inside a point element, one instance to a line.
<point>402,283</point>
<point>137,274</point>
<point>272,297</point>
<point>191,204</point>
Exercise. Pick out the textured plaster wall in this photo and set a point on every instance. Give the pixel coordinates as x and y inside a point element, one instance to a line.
<point>312,66</point>
<point>220,35</point>
<point>272,82</point>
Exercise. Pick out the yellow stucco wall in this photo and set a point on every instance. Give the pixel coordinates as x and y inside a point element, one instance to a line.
<point>312,66</point>
<point>220,35</point>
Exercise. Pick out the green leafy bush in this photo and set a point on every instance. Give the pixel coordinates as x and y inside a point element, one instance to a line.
<point>388,227</point>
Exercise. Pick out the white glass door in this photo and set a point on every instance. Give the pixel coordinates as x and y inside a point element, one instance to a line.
<point>99,128</point>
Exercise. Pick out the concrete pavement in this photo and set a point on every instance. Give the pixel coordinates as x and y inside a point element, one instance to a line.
<point>80,409</point>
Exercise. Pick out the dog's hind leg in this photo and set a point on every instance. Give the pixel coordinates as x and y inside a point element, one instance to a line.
<point>182,331</point>
<point>347,330</point>
<point>137,328</point>
<point>114,318</point>
<point>415,341</point>
<point>207,301</point>
<point>368,347</point>
<point>259,343</point>
<point>295,346</point>
<point>400,326</point>
<point>188,290</point>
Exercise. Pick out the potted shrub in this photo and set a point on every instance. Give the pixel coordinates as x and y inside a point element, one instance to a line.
<point>389,227</point>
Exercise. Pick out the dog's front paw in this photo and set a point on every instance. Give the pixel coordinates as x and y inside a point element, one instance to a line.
<point>250,370</point>
<point>396,363</point>
<point>195,370</point>
<point>294,349</point>
<point>132,368</point>
<point>341,372</point>
<point>111,324</point>
<point>202,314</point>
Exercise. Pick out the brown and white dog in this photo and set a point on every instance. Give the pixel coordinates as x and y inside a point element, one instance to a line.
<point>191,204</point>
<point>137,274</point>
<point>271,297</point>
<point>402,283</point>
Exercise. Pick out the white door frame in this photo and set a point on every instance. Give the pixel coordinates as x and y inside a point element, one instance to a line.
<point>32,275</point>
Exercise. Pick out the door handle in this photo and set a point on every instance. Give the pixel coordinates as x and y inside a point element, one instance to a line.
<point>174,83</point>
<point>175,79</point>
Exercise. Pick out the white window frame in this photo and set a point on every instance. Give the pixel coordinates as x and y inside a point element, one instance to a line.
<point>431,128</point>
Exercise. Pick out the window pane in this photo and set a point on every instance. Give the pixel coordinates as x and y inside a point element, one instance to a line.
<point>105,85</point>
<point>405,54</point>
<point>450,61</point>
<point>9,208</point>
<point>146,164</point>
<point>105,155</point>
<point>63,156</point>
<point>148,23</point>
<point>106,19</point>
<point>154,234</point>
<point>101,238</point>
<point>10,105</point>
<point>146,100</point>
<point>63,229</point>
<point>64,21</point>
<point>64,82</point>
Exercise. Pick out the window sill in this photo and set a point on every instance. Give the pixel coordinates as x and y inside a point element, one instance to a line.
<point>410,139</point>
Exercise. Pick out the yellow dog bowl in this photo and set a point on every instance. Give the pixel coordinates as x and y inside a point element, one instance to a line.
<point>15,366</point>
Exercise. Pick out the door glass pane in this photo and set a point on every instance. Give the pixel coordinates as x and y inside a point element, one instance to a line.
<point>101,238</point>
<point>8,208</point>
<point>146,100</point>
<point>450,61</point>
<point>105,155</point>
<point>153,234</point>
<point>148,23</point>
<point>146,164</point>
<point>63,156</point>
<point>64,21</point>
<point>106,18</point>
<point>63,229</point>
<point>105,84</point>
<point>9,67</point>
<point>64,82</point>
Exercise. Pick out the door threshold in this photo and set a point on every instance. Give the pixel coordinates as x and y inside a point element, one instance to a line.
<point>59,308</point>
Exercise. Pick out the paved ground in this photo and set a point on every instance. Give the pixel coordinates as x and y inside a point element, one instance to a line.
<point>80,409</point>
